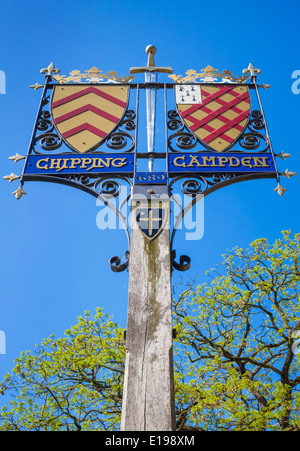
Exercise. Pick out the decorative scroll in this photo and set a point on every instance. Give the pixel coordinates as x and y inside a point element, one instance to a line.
<point>116,265</point>
<point>184,262</point>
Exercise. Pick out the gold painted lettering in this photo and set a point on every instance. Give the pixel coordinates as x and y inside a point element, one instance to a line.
<point>237,161</point>
<point>107,162</point>
<point>206,159</point>
<point>194,160</point>
<point>119,165</point>
<point>75,161</point>
<point>55,164</point>
<point>38,164</point>
<point>95,164</point>
<point>260,162</point>
<point>246,161</point>
<point>64,166</point>
<point>85,161</point>
<point>222,160</point>
<point>180,158</point>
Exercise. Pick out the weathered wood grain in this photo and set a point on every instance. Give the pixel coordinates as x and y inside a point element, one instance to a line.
<point>148,398</point>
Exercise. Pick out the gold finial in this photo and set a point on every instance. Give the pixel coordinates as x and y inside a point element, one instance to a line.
<point>19,193</point>
<point>16,158</point>
<point>283,155</point>
<point>151,50</point>
<point>280,190</point>
<point>288,173</point>
<point>265,86</point>
<point>12,177</point>
<point>51,69</point>
<point>36,86</point>
<point>252,71</point>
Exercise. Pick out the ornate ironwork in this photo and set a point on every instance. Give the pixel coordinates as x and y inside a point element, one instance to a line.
<point>192,182</point>
<point>129,120</point>
<point>119,141</point>
<point>255,138</point>
<point>116,265</point>
<point>184,262</point>
<point>46,138</point>
<point>184,140</point>
<point>257,123</point>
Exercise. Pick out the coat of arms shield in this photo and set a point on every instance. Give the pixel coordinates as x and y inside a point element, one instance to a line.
<point>84,115</point>
<point>216,113</point>
<point>151,219</point>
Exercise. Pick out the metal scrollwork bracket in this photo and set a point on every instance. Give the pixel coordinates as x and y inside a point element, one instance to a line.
<point>116,265</point>
<point>184,262</point>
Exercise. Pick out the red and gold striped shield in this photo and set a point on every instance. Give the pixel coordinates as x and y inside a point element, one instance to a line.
<point>216,114</point>
<point>85,115</point>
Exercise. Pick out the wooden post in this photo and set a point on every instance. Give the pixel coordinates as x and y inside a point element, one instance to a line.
<point>148,396</point>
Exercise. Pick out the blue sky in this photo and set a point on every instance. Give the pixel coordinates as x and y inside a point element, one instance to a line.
<point>54,261</point>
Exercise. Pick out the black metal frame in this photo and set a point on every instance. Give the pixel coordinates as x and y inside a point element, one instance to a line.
<point>45,138</point>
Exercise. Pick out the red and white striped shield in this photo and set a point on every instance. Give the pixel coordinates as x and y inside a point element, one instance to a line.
<point>217,114</point>
<point>85,115</point>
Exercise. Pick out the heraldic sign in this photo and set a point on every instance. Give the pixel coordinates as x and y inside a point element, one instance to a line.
<point>87,128</point>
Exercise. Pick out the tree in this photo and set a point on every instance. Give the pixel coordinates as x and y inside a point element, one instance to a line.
<point>70,383</point>
<point>236,361</point>
<point>238,334</point>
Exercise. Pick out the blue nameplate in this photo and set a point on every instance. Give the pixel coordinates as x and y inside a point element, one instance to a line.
<point>79,164</point>
<point>148,178</point>
<point>221,162</point>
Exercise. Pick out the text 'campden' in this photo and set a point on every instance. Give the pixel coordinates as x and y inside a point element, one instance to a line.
<point>239,162</point>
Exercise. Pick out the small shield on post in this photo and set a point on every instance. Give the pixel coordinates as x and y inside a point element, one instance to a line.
<point>151,219</point>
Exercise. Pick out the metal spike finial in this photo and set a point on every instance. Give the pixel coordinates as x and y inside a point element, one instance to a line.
<point>36,86</point>
<point>51,69</point>
<point>19,193</point>
<point>12,177</point>
<point>288,173</point>
<point>283,155</point>
<point>265,86</point>
<point>252,71</point>
<point>280,189</point>
<point>16,158</point>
